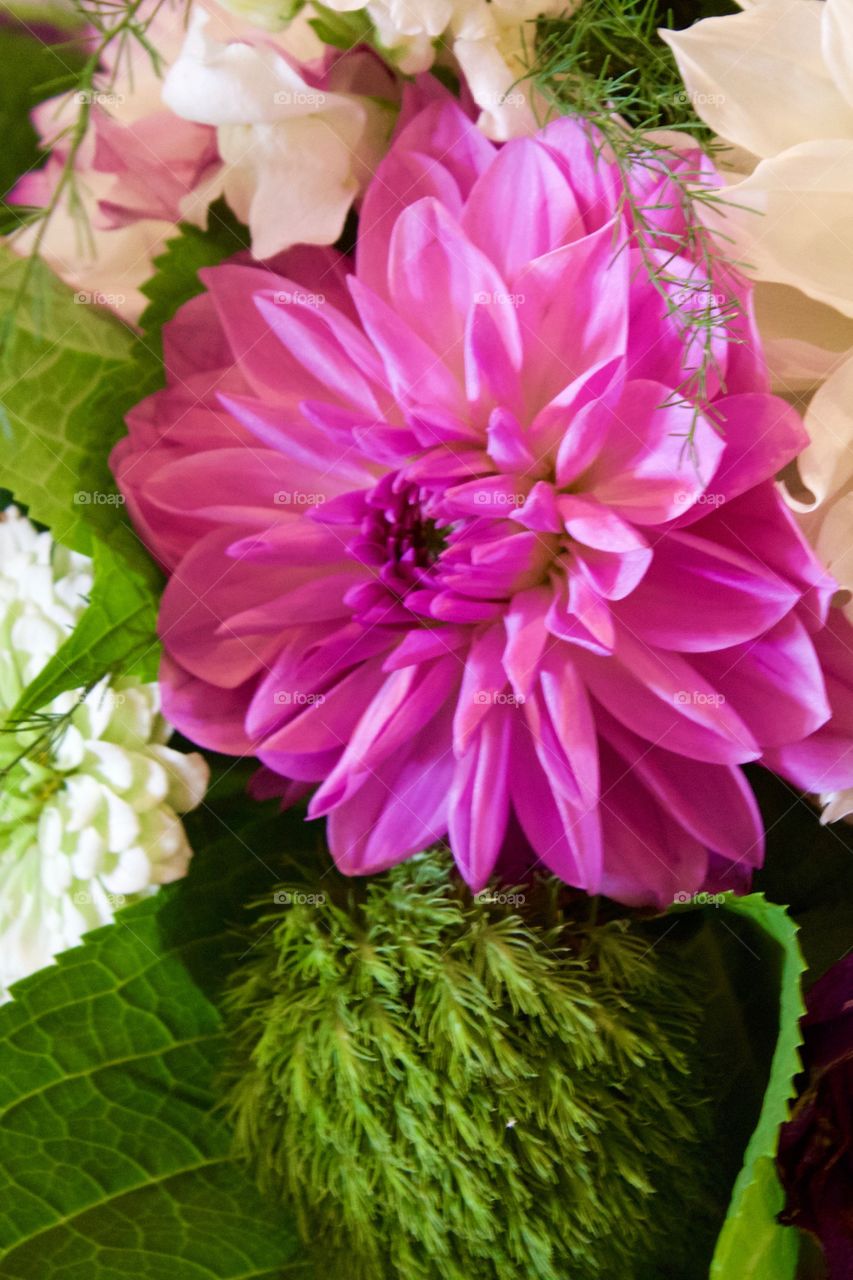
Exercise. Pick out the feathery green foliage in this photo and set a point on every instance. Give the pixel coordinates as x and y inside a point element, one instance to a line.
<point>448,1088</point>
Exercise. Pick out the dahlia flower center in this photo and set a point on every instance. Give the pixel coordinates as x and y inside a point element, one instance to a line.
<point>397,537</point>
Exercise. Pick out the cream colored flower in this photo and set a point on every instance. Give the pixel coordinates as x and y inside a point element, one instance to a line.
<point>490,40</point>
<point>775,83</point>
<point>90,791</point>
<point>293,153</point>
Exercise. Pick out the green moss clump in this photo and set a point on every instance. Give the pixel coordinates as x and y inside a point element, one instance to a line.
<point>453,1088</point>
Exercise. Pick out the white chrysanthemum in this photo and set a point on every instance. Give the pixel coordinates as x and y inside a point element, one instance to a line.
<point>89,791</point>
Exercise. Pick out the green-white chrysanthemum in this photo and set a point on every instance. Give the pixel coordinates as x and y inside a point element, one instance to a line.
<point>89,791</point>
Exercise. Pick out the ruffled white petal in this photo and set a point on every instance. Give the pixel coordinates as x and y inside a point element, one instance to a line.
<point>759,78</point>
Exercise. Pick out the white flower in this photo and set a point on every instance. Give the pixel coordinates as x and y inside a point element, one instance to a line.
<point>488,38</point>
<point>293,153</point>
<point>775,83</point>
<point>89,790</point>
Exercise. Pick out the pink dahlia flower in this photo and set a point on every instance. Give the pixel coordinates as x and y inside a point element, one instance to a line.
<point>436,543</point>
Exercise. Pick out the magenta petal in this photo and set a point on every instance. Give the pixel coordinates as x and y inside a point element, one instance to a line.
<point>416,375</point>
<point>714,803</point>
<point>774,682</point>
<point>205,591</point>
<point>573,315</point>
<point>598,526</point>
<point>512,231</point>
<point>312,719</point>
<point>492,355</point>
<point>574,748</point>
<point>568,614</point>
<point>436,276</point>
<point>732,598</point>
<point>527,636</point>
<point>664,699</point>
<point>483,678</point>
<point>762,434</point>
<point>645,469</point>
<point>507,445</point>
<point>478,804</point>
<point>398,813</point>
<point>328,345</point>
<point>541,510</point>
<point>649,856</point>
<point>612,576</point>
<point>438,155</point>
<point>407,699</point>
<point>282,430</point>
<point>558,834</point>
<point>823,761</point>
<point>209,716</point>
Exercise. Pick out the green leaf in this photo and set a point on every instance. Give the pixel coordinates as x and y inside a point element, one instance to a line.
<point>68,374</point>
<point>61,370</point>
<point>176,279</point>
<point>752,1243</point>
<point>748,948</point>
<point>114,1162</point>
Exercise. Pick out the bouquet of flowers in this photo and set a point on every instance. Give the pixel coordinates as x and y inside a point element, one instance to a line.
<point>426,691</point>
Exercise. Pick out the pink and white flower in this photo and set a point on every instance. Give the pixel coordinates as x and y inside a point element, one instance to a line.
<point>289,144</point>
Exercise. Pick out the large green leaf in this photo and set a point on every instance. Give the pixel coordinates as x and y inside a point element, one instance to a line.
<point>113,1162</point>
<point>57,422</point>
<point>747,949</point>
<point>68,374</point>
<point>752,1244</point>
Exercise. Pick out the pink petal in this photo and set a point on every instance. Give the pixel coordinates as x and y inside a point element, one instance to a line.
<point>512,231</point>
<point>478,804</point>
<point>732,598</point>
